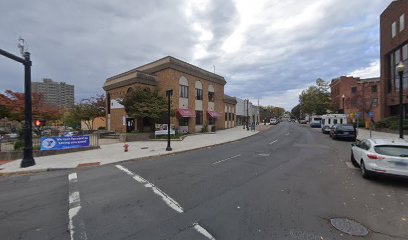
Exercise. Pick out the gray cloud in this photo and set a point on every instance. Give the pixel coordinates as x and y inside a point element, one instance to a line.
<point>282,47</point>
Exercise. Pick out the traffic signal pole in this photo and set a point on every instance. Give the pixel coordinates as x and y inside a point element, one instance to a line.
<point>28,159</point>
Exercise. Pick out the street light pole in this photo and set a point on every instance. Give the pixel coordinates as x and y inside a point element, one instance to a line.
<point>169,93</point>
<point>343,97</point>
<point>28,159</point>
<point>247,117</point>
<point>400,70</point>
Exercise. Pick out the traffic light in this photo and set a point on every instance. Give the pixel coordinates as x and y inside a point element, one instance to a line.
<point>39,122</point>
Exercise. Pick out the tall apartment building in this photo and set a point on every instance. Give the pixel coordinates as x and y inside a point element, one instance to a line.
<point>57,94</point>
<point>394,48</point>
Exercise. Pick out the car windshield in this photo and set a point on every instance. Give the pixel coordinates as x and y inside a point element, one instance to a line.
<point>392,150</point>
<point>345,127</point>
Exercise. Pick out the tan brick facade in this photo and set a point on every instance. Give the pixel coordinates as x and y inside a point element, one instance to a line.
<point>163,75</point>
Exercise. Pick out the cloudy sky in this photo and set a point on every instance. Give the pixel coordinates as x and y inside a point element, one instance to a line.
<point>266,49</point>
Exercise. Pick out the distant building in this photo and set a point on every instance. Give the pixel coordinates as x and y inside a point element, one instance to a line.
<point>355,95</point>
<point>393,49</point>
<point>57,94</point>
<point>246,110</point>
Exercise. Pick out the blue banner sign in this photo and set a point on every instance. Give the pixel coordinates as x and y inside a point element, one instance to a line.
<point>58,143</point>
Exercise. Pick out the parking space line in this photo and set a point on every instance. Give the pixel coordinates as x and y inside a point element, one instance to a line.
<point>76,225</point>
<point>203,231</point>
<point>218,162</point>
<point>166,198</point>
<point>273,142</point>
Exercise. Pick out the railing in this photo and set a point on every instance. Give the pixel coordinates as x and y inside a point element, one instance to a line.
<point>12,144</point>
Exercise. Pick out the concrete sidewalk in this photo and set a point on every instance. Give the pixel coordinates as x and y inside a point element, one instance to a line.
<point>114,152</point>
<point>365,133</point>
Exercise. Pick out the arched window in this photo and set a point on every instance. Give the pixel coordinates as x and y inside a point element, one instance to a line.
<point>211,94</point>
<point>199,90</point>
<point>183,87</point>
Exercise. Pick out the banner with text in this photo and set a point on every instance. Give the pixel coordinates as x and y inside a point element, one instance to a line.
<point>58,143</point>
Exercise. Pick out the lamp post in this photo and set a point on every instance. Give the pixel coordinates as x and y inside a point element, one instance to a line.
<point>169,93</point>
<point>28,159</point>
<point>400,70</point>
<point>247,117</point>
<point>343,97</point>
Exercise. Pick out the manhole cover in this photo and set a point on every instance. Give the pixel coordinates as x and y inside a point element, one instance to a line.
<point>349,226</point>
<point>144,147</point>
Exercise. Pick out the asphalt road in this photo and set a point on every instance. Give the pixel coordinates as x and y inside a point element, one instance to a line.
<point>285,183</point>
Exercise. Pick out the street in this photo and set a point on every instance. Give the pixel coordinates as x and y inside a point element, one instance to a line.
<point>284,183</point>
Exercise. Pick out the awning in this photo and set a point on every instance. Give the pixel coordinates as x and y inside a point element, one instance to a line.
<point>213,114</point>
<point>186,113</point>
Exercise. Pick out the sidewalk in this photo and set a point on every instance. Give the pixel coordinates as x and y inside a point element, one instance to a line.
<point>365,133</point>
<point>114,152</point>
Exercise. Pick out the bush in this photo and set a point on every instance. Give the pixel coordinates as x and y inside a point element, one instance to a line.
<point>213,128</point>
<point>391,123</point>
<point>204,129</point>
<point>19,145</point>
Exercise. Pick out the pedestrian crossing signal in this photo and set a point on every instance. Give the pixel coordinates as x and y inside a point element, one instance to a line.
<point>39,123</point>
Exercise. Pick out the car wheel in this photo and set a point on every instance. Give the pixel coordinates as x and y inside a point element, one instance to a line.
<point>353,160</point>
<point>364,171</point>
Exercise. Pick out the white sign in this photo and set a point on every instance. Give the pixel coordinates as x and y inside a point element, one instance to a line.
<point>116,105</point>
<point>161,129</point>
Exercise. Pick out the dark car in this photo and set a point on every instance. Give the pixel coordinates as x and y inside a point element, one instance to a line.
<point>343,131</point>
<point>326,129</point>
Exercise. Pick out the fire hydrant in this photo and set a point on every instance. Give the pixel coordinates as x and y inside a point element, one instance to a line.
<point>126,147</point>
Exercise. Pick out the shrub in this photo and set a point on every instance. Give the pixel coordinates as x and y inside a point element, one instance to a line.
<point>19,145</point>
<point>204,129</point>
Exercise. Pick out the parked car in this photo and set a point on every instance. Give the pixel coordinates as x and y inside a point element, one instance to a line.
<point>273,121</point>
<point>70,134</point>
<point>381,156</point>
<point>326,129</point>
<point>303,121</point>
<point>343,131</point>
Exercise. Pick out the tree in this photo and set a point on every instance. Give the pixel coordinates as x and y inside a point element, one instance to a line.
<point>12,106</point>
<point>316,99</point>
<point>295,112</point>
<point>87,110</point>
<point>141,103</point>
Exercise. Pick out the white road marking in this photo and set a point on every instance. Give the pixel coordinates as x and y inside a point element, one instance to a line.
<point>166,198</point>
<point>215,163</point>
<point>264,154</point>
<point>74,201</point>
<point>203,231</point>
<point>273,142</point>
<point>287,134</point>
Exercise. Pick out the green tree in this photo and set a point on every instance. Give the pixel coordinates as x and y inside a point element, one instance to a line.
<point>141,103</point>
<point>295,112</point>
<point>316,99</point>
<point>87,110</point>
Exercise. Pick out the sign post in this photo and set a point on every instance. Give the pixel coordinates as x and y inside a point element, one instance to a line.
<point>371,116</point>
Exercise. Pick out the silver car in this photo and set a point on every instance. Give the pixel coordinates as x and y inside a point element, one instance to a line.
<point>381,156</point>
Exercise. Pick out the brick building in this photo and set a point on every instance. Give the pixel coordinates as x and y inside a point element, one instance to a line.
<point>230,104</point>
<point>198,96</point>
<point>360,96</point>
<point>394,48</point>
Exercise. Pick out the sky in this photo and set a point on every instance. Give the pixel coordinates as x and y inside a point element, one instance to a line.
<point>265,49</point>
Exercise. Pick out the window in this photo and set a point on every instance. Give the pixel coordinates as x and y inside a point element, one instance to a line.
<point>211,96</point>
<point>353,90</point>
<point>393,29</point>
<point>402,22</point>
<point>334,121</point>
<point>211,121</point>
<point>405,52</point>
<point>341,120</point>
<point>199,117</point>
<point>226,116</point>
<point>183,121</point>
<point>183,91</point>
<point>199,94</point>
<point>374,102</point>
<point>230,116</point>
<point>374,88</point>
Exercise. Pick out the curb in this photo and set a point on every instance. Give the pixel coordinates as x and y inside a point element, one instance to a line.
<point>128,160</point>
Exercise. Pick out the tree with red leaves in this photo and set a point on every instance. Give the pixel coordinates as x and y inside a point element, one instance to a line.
<point>12,104</point>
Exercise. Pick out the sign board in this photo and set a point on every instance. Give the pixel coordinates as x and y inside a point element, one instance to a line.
<point>352,115</point>
<point>371,114</point>
<point>358,115</point>
<point>59,143</point>
<point>161,129</point>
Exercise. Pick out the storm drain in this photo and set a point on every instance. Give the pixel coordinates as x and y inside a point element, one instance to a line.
<point>349,226</point>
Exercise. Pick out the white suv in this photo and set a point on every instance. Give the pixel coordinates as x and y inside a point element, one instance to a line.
<point>381,156</point>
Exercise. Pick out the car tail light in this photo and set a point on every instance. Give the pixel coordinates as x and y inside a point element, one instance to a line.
<point>374,157</point>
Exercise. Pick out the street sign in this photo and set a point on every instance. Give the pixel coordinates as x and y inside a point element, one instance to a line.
<point>371,114</point>
<point>352,115</point>
<point>358,115</point>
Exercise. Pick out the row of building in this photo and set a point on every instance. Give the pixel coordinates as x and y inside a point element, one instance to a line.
<point>379,96</point>
<point>198,98</point>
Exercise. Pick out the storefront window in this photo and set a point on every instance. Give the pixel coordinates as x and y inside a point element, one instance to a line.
<point>183,121</point>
